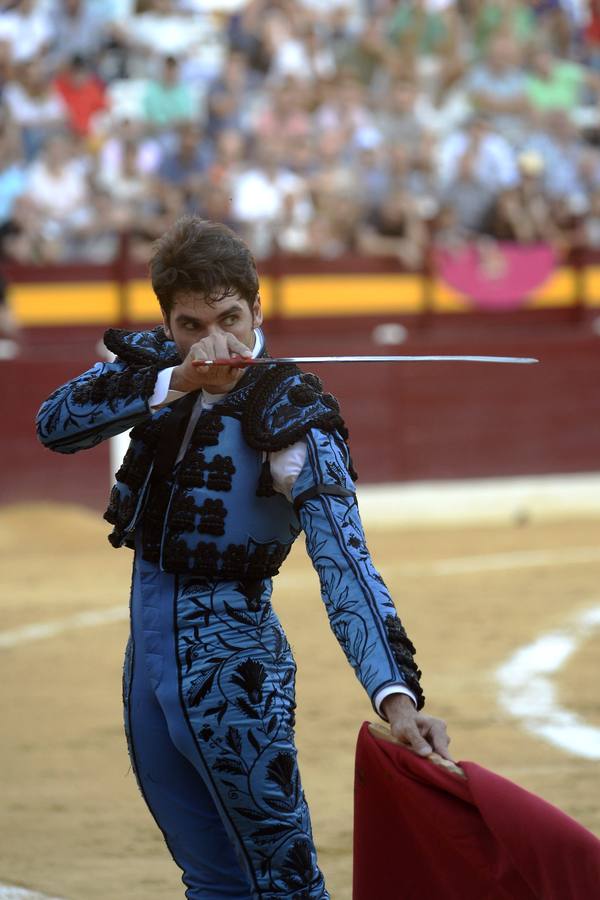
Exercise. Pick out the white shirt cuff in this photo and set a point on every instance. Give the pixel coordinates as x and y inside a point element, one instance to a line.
<point>392,689</point>
<point>162,394</point>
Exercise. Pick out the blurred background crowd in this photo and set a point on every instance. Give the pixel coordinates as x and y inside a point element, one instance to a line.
<point>315,127</point>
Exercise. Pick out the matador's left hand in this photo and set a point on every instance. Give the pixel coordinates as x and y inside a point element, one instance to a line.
<point>418,732</point>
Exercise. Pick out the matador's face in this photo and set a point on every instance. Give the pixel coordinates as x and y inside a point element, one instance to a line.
<point>193,319</point>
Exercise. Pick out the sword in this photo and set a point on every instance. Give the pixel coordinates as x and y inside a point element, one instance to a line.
<point>242,362</point>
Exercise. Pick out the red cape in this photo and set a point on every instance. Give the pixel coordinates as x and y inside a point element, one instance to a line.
<point>423,833</point>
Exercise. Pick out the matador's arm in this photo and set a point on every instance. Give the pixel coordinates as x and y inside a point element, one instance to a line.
<point>109,398</point>
<point>361,612</point>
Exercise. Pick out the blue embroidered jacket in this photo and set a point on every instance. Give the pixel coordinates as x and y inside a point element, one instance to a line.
<point>215,513</point>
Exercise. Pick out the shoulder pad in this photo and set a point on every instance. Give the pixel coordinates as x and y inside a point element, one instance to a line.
<point>142,348</point>
<point>284,405</point>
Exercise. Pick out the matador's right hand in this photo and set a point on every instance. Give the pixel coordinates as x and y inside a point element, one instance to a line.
<point>192,376</point>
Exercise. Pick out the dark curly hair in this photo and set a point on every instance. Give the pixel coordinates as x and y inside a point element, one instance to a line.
<point>202,257</point>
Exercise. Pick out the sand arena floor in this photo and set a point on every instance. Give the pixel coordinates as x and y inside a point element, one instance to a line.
<point>72,822</point>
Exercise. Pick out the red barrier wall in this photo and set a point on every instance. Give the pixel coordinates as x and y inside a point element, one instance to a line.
<point>407,422</point>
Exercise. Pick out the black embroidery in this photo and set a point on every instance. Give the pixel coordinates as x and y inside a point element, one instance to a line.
<point>269,428</point>
<point>236,563</point>
<point>253,591</point>
<point>142,348</point>
<point>220,473</point>
<point>216,474</point>
<point>233,561</point>
<point>177,556</point>
<point>182,515</point>
<point>312,381</point>
<point>250,675</point>
<point>193,469</point>
<point>298,868</point>
<point>330,401</point>
<point>266,558</point>
<point>403,651</point>
<point>121,509</point>
<point>335,472</point>
<point>302,395</point>
<point>207,431</point>
<point>212,517</point>
<point>149,432</point>
<point>134,469</point>
<point>111,386</point>
<point>206,559</point>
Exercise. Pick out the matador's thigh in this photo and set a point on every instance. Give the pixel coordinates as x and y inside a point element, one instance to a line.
<point>222,672</point>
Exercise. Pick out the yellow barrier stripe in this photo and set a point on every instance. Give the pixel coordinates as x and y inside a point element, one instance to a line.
<point>294,296</point>
<point>72,303</point>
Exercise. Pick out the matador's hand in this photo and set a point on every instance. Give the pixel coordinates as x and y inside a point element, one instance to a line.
<point>418,732</point>
<point>191,375</point>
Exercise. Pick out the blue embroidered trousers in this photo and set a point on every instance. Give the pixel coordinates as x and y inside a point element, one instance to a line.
<point>209,715</point>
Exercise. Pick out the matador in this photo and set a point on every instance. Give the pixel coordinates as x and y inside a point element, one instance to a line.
<point>225,467</point>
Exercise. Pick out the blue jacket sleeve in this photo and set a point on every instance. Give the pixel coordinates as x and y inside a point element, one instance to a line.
<point>107,399</point>
<point>361,612</point>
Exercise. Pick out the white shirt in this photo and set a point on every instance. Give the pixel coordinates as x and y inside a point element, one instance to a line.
<point>285,464</point>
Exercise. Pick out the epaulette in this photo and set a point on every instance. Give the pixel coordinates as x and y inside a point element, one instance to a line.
<point>284,405</point>
<point>142,348</point>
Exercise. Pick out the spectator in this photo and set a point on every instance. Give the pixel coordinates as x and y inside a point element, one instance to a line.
<point>421,28</point>
<point>57,187</point>
<point>474,166</point>
<point>27,29</point>
<point>362,56</point>
<point>370,165</point>
<point>481,150</point>
<point>523,214</point>
<point>561,148</point>
<point>6,64</point>
<point>35,105</point>
<point>397,119</point>
<point>333,231</point>
<point>163,30</point>
<point>511,18</point>
<point>214,203</point>
<point>13,177</point>
<point>283,113</point>
<point>186,164</point>
<point>127,185</point>
<point>168,101</point>
<point>312,117</point>
<point>557,83</point>
<point>111,156</point>
<point>445,107</point>
<point>425,33</point>
<point>258,196</point>
<point>304,57</point>
<point>83,94</point>
<point>78,30</point>
<point>229,159</point>
<point>394,229</point>
<point>248,35</point>
<point>591,36</point>
<point>590,231</point>
<point>497,87</point>
<point>163,204</point>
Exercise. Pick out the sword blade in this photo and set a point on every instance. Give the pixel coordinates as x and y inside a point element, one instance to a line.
<point>240,363</point>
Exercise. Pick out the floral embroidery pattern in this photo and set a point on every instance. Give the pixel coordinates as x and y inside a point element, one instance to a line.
<point>237,679</point>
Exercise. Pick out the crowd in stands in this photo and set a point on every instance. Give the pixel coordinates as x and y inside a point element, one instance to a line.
<point>315,127</point>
